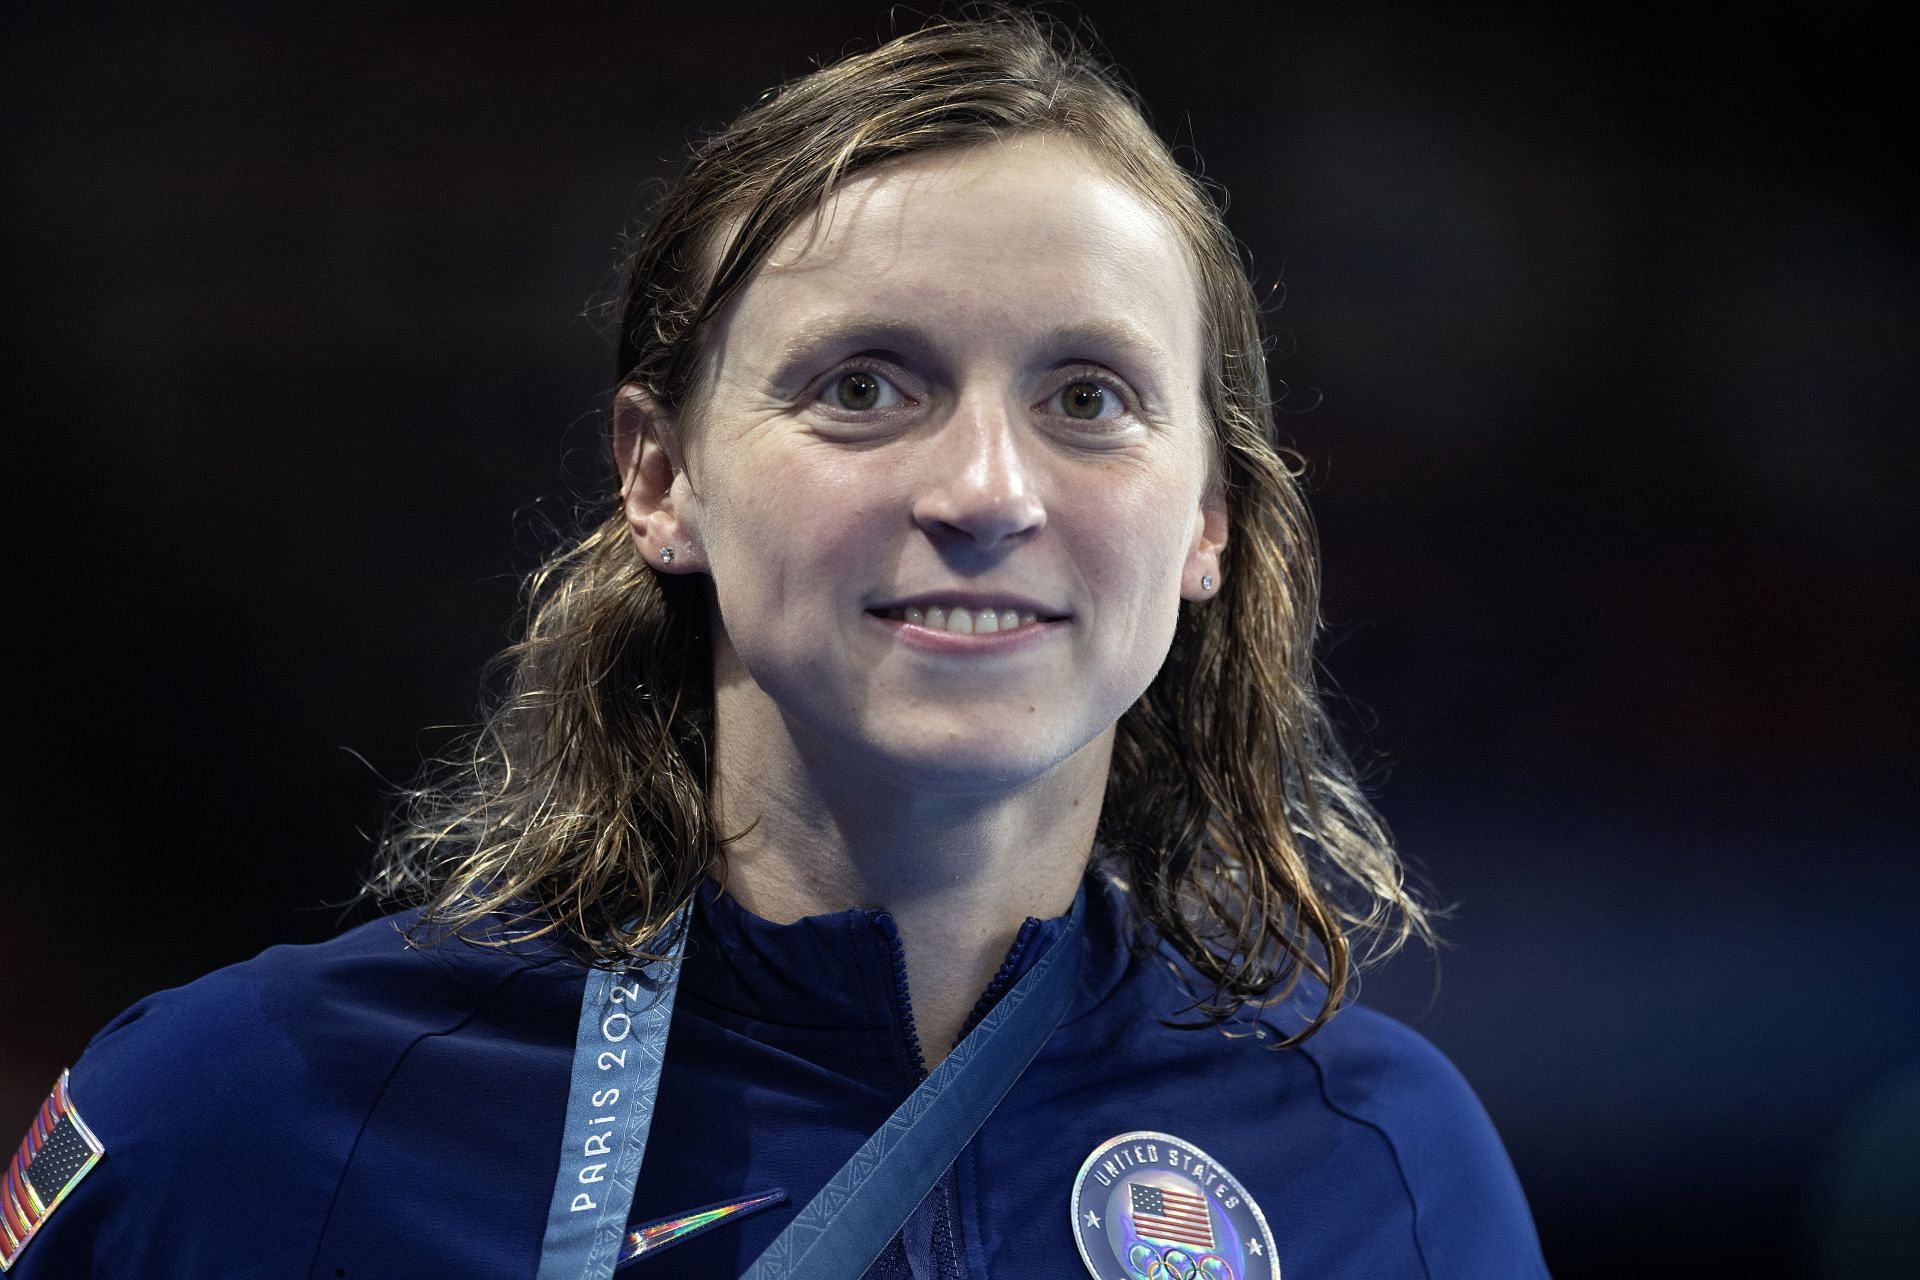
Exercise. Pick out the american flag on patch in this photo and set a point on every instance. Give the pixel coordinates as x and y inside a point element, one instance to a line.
<point>56,1153</point>
<point>1174,1217</point>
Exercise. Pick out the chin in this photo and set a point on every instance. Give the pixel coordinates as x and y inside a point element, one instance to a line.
<point>974,761</point>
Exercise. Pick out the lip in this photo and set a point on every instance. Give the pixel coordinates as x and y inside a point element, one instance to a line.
<point>939,640</point>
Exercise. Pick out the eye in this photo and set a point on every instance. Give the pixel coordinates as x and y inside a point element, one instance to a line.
<point>1084,398</point>
<point>858,389</point>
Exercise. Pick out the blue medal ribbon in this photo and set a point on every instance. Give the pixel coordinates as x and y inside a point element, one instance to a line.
<point>846,1225</point>
<point>617,1054</point>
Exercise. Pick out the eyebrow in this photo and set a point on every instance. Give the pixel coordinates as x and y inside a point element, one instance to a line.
<point>904,340</point>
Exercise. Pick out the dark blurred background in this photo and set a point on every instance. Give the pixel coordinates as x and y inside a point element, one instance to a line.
<point>1600,329</point>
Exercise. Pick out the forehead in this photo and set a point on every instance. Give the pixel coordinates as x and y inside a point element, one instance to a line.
<point>1004,245</point>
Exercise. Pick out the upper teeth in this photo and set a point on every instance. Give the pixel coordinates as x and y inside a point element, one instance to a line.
<point>962,620</point>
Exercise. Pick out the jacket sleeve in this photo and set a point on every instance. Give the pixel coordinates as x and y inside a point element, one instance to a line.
<point>1470,1215</point>
<point>229,1108</point>
<point>190,1093</point>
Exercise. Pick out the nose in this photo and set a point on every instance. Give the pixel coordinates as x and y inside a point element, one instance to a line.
<point>979,490</point>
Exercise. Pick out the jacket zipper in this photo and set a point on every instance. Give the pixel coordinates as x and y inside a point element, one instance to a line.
<point>944,1248</point>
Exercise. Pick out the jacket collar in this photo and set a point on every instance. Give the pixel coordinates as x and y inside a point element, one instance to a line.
<point>845,970</point>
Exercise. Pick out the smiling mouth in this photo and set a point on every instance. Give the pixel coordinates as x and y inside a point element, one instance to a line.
<point>964,621</point>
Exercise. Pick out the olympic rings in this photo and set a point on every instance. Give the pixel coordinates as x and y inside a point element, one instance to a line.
<point>1149,1263</point>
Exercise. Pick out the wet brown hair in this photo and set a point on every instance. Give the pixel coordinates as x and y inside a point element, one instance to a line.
<point>1232,817</point>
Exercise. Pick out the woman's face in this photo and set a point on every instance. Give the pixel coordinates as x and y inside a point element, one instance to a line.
<point>969,397</point>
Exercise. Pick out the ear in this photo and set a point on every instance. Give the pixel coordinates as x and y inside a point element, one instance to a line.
<point>654,492</point>
<point>1200,578</point>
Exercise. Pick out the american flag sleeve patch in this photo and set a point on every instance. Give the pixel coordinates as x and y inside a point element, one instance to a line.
<point>53,1157</point>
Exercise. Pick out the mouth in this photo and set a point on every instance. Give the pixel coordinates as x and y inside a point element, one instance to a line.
<point>968,619</point>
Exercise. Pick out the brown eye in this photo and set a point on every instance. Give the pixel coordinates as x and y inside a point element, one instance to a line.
<point>1083,400</point>
<point>857,391</point>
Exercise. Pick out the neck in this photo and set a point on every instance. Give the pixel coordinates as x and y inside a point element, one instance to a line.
<point>959,873</point>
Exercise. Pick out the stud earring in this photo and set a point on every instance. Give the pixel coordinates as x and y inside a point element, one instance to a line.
<point>1206,582</point>
<point>666,555</point>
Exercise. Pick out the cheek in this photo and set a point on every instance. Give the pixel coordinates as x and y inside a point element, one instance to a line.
<point>1137,540</point>
<point>1132,553</point>
<point>780,540</point>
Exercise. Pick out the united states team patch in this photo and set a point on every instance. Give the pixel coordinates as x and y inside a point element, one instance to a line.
<point>53,1157</point>
<point>1150,1206</point>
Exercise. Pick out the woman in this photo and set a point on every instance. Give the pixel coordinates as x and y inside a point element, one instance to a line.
<point>911,839</point>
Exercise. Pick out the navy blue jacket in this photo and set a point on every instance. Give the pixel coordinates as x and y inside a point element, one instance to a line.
<point>359,1110</point>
